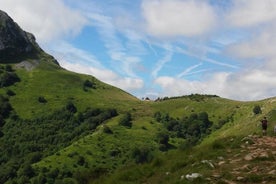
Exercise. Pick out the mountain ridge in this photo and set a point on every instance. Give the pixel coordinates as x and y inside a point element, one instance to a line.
<point>57,126</point>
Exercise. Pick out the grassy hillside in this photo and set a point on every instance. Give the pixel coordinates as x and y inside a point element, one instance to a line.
<point>71,128</point>
<point>220,155</point>
<point>59,86</point>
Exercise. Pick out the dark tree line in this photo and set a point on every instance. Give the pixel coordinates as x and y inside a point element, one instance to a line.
<point>7,76</point>
<point>194,97</point>
<point>25,142</point>
<point>193,128</point>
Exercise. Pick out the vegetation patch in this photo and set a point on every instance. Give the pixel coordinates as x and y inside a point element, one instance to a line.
<point>7,76</point>
<point>41,137</point>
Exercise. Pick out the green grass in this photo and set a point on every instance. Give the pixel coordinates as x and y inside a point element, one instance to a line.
<point>178,163</point>
<point>102,150</point>
<point>110,154</point>
<point>59,86</point>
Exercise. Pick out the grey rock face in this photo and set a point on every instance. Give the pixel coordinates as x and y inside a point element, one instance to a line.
<point>14,42</point>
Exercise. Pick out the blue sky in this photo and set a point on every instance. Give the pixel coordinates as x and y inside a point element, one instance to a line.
<point>157,48</point>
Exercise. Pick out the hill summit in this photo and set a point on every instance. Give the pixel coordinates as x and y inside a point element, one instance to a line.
<point>15,43</point>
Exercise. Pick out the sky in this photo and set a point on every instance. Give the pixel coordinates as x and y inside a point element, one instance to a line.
<point>158,48</point>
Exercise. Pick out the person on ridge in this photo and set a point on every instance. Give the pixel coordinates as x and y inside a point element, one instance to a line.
<point>264,125</point>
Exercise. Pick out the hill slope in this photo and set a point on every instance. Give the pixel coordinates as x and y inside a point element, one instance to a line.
<point>235,153</point>
<point>57,126</point>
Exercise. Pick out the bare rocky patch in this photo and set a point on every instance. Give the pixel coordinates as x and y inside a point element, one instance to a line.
<point>254,162</point>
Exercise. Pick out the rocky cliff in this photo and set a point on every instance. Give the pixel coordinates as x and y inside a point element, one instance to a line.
<point>15,44</point>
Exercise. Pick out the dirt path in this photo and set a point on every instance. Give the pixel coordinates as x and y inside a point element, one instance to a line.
<point>254,162</point>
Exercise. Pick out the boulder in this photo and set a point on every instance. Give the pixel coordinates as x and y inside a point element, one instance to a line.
<point>193,176</point>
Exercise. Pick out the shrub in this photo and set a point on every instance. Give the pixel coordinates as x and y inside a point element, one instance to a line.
<point>28,171</point>
<point>10,92</point>
<point>8,68</point>
<point>126,120</point>
<point>142,155</point>
<point>257,109</point>
<point>163,138</point>
<point>81,160</point>
<point>41,99</point>
<point>53,173</point>
<point>114,152</point>
<point>2,122</point>
<point>71,107</point>
<point>8,78</point>
<point>88,84</point>
<point>5,107</point>
<point>107,130</point>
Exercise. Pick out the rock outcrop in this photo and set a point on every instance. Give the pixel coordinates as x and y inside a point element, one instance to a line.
<point>15,44</point>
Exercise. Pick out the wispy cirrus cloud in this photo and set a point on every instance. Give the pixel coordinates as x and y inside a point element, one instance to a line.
<point>204,58</point>
<point>189,71</point>
<point>80,61</point>
<point>160,63</point>
<point>118,50</point>
<point>63,51</point>
<point>105,75</point>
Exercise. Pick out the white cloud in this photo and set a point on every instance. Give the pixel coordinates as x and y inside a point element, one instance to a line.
<point>251,13</point>
<point>261,45</point>
<point>246,29</point>
<point>47,20</point>
<point>108,76</point>
<point>171,18</point>
<point>178,87</point>
<point>80,61</point>
<point>246,85</point>
<point>65,51</point>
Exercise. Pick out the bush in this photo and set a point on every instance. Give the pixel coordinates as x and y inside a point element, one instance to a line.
<point>126,120</point>
<point>5,107</point>
<point>81,160</point>
<point>8,68</point>
<point>257,109</point>
<point>142,155</point>
<point>10,92</point>
<point>163,140</point>
<point>88,84</point>
<point>71,107</point>
<point>8,79</point>
<point>2,122</point>
<point>41,99</point>
<point>107,130</point>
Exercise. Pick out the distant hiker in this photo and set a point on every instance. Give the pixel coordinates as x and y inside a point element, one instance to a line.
<point>264,125</point>
<point>275,129</point>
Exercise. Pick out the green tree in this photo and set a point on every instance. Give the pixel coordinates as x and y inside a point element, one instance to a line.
<point>71,107</point>
<point>81,160</point>
<point>8,78</point>
<point>257,109</point>
<point>163,140</point>
<point>10,92</point>
<point>126,120</point>
<point>5,107</point>
<point>142,155</point>
<point>8,68</point>
<point>41,99</point>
